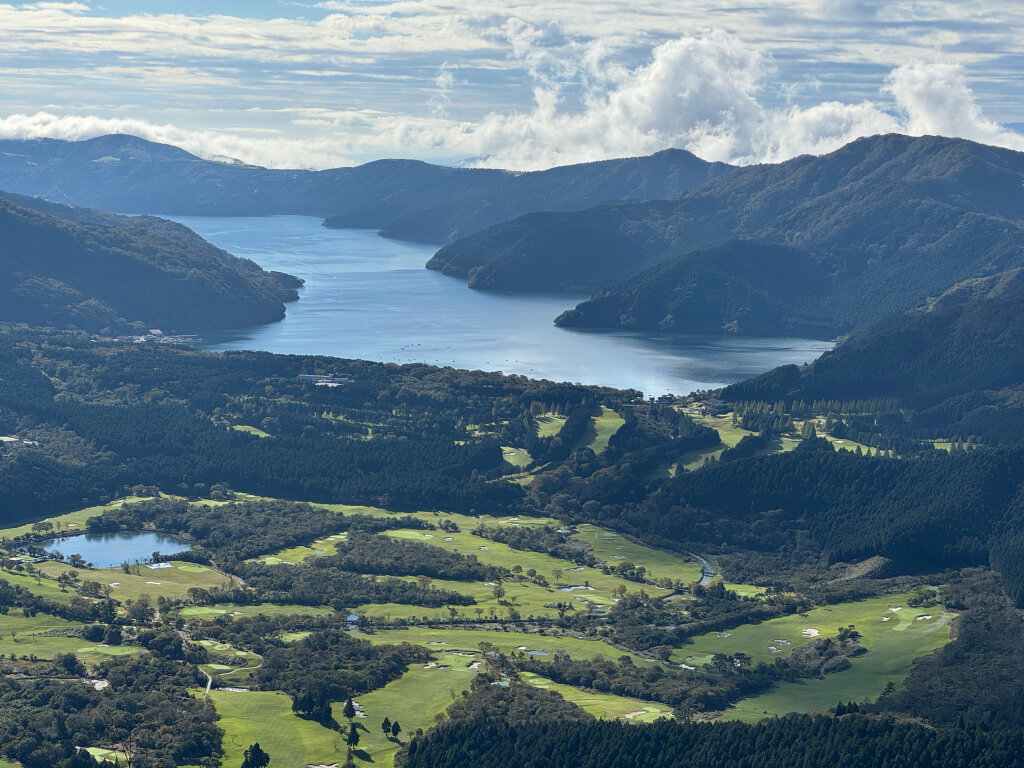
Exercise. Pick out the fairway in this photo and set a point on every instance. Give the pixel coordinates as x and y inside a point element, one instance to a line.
<point>413,700</point>
<point>173,582</point>
<point>517,457</point>
<point>264,609</point>
<point>496,553</point>
<point>604,706</point>
<point>875,618</point>
<point>20,635</point>
<point>549,424</point>
<point>73,521</point>
<point>614,548</point>
<point>267,718</point>
<point>506,642</point>
<point>328,545</point>
<point>892,643</point>
<point>601,430</point>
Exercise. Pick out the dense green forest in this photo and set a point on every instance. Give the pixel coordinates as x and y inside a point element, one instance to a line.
<point>70,267</point>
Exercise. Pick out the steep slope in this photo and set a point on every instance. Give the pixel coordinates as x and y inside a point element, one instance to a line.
<point>402,198</point>
<point>890,219</point>
<point>80,268</point>
<point>955,365</point>
<point>745,287</point>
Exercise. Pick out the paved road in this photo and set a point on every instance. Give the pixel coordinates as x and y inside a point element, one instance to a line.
<point>707,573</point>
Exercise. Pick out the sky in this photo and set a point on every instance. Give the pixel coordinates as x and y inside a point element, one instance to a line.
<point>511,84</point>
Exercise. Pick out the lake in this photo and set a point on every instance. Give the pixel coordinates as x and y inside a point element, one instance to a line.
<point>370,298</point>
<point>109,550</point>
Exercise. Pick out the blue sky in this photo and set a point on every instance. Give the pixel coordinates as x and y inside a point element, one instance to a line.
<point>512,84</point>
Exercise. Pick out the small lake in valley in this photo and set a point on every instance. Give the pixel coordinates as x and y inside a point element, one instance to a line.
<point>371,298</point>
<point>109,550</point>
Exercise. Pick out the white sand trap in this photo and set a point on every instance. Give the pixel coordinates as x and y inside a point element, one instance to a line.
<point>810,632</point>
<point>893,610</point>
<point>488,583</point>
<point>115,584</point>
<point>631,715</point>
<point>520,647</point>
<point>437,642</point>
<point>485,548</point>
<point>772,649</point>
<point>360,714</point>
<point>431,665</point>
<point>475,665</point>
<point>154,583</point>
<point>723,634</point>
<point>449,538</point>
<point>428,535</point>
<point>686,666</point>
<point>886,618</point>
<point>923,618</point>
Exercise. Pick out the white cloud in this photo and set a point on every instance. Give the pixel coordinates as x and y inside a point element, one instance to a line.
<point>934,98</point>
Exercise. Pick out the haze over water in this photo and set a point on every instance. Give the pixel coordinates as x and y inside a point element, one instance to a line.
<point>371,298</point>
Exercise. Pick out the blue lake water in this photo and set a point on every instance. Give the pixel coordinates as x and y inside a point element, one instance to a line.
<point>371,298</point>
<point>109,550</point>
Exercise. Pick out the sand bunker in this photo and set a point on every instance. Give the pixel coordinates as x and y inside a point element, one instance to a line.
<point>810,632</point>
<point>923,617</point>
<point>893,610</point>
<point>631,715</point>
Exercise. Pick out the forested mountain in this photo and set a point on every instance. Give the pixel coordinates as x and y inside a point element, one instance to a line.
<point>884,222</point>
<point>403,198</point>
<point>956,364</point>
<point>75,267</point>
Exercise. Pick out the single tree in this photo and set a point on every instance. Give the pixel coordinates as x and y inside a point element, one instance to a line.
<point>386,727</point>
<point>350,709</point>
<point>395,729</point>
<point>255,757</point>
<point>353,735</point>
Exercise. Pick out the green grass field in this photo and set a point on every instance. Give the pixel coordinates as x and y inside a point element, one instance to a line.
<point>614,548</point>
<point>250,429</point>
<point>230,674</point>
<point>325,546</point>
<point>19,635</point>
<point>413,700</point>
<point>266,609</point>
<point>756,640</point>
<point>73,520</point>
<point>496,553</point>
<point>506,642</point>
<point>267,718</point>
<point>601,430</point>
<point>173,582</point>
<point>894,634</point>
<point>517,457</point>
<point>549,424</point>
<point>605,706</point>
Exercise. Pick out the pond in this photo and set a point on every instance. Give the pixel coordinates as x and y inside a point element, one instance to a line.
<point>109,550</point>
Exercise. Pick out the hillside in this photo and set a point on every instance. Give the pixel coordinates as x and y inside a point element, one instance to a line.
<point>75,267</point>
<point>404,199</point>
<point>889,219</point>
<point>956,363</point>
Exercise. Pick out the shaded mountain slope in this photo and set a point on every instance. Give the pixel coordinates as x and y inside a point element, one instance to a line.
<point>890,219</point>
<point>955,365</point>
<point>405,199</point>
<point>92,270</point>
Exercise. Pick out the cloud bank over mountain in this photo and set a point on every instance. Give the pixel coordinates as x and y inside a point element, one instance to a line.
<point>514,86</point>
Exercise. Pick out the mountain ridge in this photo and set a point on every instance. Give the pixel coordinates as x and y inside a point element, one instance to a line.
<point>891,220</point>
<point>404,199</point>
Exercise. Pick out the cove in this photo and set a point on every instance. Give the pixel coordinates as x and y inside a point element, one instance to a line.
<point>109,550</point>
<point>370,298</point>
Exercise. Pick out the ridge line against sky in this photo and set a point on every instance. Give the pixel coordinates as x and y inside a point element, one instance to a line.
<point>519,85</point>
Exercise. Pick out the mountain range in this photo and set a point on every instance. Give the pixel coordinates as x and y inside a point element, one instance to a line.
<point>404,199</point>
<point>875,227</point>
